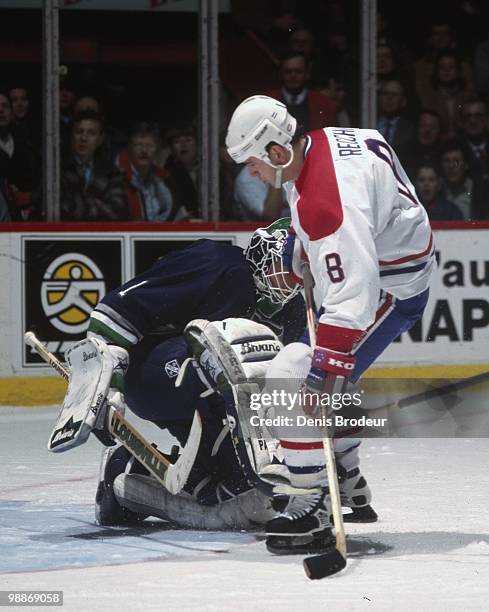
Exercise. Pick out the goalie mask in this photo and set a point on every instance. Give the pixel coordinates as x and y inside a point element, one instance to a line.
<point>264,254</point>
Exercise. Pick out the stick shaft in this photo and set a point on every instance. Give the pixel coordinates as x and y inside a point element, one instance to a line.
<point>334,488</point>
<point>171,476</point>
<point>424,396</point>
<point>31,339</point>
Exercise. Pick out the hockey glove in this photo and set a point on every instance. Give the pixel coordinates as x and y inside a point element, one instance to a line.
<point>120,365</point>
<point>327,375</point>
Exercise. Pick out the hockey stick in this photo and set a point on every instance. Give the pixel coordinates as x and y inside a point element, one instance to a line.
<point>172,476</point>
<point>332,562</point>
<point>424,396</point>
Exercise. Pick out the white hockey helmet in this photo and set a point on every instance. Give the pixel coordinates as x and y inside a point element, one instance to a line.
<point>256,123</point>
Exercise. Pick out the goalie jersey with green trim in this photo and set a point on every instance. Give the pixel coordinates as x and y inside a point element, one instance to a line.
<point>208,279</point>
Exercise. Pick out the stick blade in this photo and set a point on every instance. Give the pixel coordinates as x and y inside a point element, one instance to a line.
<point>321,566</point>
<point>176,475</point>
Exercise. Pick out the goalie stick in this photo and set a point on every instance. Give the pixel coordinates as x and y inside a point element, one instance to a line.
<point>332,562</point>
<point>172,476</point>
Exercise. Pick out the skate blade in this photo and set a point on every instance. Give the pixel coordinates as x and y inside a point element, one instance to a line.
<point>365,514</point>
<point>300,546</point>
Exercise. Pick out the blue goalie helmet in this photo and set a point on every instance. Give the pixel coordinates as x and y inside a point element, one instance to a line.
<point>264,254</point>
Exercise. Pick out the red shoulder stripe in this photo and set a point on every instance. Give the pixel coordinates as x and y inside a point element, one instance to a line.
<point>319,205</point>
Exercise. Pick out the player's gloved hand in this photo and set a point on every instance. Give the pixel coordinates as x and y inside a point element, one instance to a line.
<point>116,399</point>
<point>115,395</point>
<point>327,375</point>
<point>120,364</point>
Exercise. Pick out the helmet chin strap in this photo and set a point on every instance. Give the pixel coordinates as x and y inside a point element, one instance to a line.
<point>280,169</point>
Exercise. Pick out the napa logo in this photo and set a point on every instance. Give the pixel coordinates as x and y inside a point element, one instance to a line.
<point>71,287</point>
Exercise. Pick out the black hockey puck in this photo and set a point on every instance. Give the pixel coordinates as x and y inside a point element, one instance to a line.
<point>325,565</point>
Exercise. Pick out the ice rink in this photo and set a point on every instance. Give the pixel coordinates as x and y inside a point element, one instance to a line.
<point>429,550</point>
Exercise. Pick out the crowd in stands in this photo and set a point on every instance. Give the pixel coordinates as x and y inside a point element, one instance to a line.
<point>432,109</point>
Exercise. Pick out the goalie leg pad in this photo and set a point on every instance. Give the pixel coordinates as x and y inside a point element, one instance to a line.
<point>91,367</point>
<point>143,494</point>
<point>232,351</point>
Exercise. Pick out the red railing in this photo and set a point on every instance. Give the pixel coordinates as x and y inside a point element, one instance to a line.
<point>231,226</point>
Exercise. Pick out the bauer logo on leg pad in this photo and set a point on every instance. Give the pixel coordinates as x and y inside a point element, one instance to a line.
<point>227,345</point>
<point>263,347</point>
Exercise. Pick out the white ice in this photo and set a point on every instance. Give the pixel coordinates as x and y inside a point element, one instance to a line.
<point>429,550</point>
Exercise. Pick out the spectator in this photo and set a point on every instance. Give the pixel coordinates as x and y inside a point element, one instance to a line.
<point>428,187</point>
<point>475,138</point>
<point>459,187</point>
<point>5,216</point>
<point>19,100</point>
<point>334,88</point>
<point>257,201</point>
<point>91,186</point>
<point>148,196</point>
<point>23,127</point>
<point>227,173</point>
<point>181,166</point>
<point>67,98</point>
<point>392,123</point>
<point>312,109</point>
<point>448,94</point>
<point>342,56</point>
<point>19,164</point>
<point>115,140</point>
<point>470,17</point>
<point>390,68</point>
<point>303,42</point>
<point>86,103</point>
<point>425,146</point>
<point>386,64</point>
<point>440,39</point>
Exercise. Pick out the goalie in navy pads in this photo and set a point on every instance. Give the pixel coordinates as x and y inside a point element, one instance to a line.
<point>142,323</point>
<point>357,221</point>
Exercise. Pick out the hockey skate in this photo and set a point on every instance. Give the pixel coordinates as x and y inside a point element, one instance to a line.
<point>211,491</point>
<point>302,527</point>
<point>115,461</point>
<point>356,494</point>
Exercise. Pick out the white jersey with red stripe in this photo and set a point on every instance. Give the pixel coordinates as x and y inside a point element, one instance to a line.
<point>362,227</point>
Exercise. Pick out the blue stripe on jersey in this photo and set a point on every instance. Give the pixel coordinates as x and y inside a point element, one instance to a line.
<point>403,270</point>
<point>308,469</point>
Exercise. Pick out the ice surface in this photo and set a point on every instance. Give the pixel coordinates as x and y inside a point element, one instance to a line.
<point>429,551</point>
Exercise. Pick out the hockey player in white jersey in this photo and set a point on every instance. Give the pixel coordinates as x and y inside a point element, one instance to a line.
<point>357,221</point>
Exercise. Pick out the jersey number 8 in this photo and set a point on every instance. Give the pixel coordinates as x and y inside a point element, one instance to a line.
<point>333,268</point>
